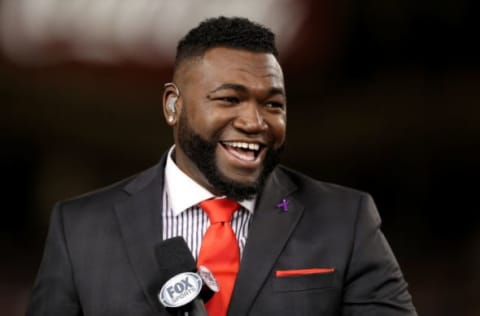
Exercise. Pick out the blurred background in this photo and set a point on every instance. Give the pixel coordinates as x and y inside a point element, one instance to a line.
<point>383,96</point>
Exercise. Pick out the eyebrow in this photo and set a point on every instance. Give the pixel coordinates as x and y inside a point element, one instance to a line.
<point>242,88</point>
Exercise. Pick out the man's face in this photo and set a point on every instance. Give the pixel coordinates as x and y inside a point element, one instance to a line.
<point>231,120</point>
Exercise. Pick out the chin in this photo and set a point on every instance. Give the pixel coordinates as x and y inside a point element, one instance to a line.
<point>242,179</point>
<point>237,188</point>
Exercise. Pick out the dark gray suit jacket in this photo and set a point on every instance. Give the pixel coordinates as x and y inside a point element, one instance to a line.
<point>99,254</point>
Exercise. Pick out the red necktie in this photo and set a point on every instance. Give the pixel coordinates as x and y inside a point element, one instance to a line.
<point>219,252</point>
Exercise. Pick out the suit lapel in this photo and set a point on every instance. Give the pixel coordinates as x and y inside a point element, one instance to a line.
<point>139,218</point>
<point>270,231</point>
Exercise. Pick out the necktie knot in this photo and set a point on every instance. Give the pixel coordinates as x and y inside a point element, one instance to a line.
<point>219,210</point>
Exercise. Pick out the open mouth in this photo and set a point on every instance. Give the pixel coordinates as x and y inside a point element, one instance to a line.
<point>243,150</point>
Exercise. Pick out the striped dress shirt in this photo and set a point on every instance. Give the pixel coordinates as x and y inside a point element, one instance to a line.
<point>182,217</point>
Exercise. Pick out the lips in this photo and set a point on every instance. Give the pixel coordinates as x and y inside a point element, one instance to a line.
<point>244,151</point>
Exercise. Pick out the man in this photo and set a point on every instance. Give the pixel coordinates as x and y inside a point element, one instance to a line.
<point>306,247</point>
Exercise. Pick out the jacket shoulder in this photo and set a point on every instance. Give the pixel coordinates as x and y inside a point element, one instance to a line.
<point>105,197</point>
<point>306,183</point>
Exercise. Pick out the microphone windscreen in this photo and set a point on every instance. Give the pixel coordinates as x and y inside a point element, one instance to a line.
<point>174,257</point>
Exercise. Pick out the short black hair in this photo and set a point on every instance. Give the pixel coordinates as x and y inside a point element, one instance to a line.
<point>229,32</point>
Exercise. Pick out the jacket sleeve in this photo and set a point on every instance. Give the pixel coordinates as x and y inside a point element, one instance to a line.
<point>54,290</point>
<point>374,283</point>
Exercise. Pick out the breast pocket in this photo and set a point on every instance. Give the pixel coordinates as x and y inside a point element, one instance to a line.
<point>304,279</point>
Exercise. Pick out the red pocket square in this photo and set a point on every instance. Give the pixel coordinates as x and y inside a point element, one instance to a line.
<point>287,273</point>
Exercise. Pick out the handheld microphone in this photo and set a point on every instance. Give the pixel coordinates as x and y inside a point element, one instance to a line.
<point>181,292</point>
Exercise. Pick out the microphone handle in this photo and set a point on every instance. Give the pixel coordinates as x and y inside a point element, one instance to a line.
<point>194,308</point>
<point>198,308</point>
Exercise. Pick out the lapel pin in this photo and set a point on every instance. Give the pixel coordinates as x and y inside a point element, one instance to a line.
<point>283,205</point>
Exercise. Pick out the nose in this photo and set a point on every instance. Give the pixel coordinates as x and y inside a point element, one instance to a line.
<point>250,119</point>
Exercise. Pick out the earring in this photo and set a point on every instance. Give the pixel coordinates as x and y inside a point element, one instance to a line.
<point>171,119</point>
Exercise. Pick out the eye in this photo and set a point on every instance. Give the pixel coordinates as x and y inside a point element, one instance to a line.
<point>229,99</point>
<point>274,105</point>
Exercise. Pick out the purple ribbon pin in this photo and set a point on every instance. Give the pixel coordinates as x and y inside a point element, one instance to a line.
<point>283,205</point>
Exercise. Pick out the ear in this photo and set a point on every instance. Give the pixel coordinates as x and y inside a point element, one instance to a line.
<point>170,101</point>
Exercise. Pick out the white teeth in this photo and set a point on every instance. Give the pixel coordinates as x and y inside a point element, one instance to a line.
<point>250,146</point>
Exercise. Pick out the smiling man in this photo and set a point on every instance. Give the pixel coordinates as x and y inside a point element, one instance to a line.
<point>229,120</point>
<point>276,241</point>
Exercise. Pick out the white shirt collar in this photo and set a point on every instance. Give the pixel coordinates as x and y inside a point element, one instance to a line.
<point>183,192</point>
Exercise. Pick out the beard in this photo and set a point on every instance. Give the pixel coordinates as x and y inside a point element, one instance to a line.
<point>202,153</point>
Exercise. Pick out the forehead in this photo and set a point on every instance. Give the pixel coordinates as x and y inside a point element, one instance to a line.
<point>225,65</point>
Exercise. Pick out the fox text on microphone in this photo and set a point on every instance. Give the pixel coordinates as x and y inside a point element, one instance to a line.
<point>180,289</point>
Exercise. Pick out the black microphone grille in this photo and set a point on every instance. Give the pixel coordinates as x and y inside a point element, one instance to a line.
<point>174,256</point>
